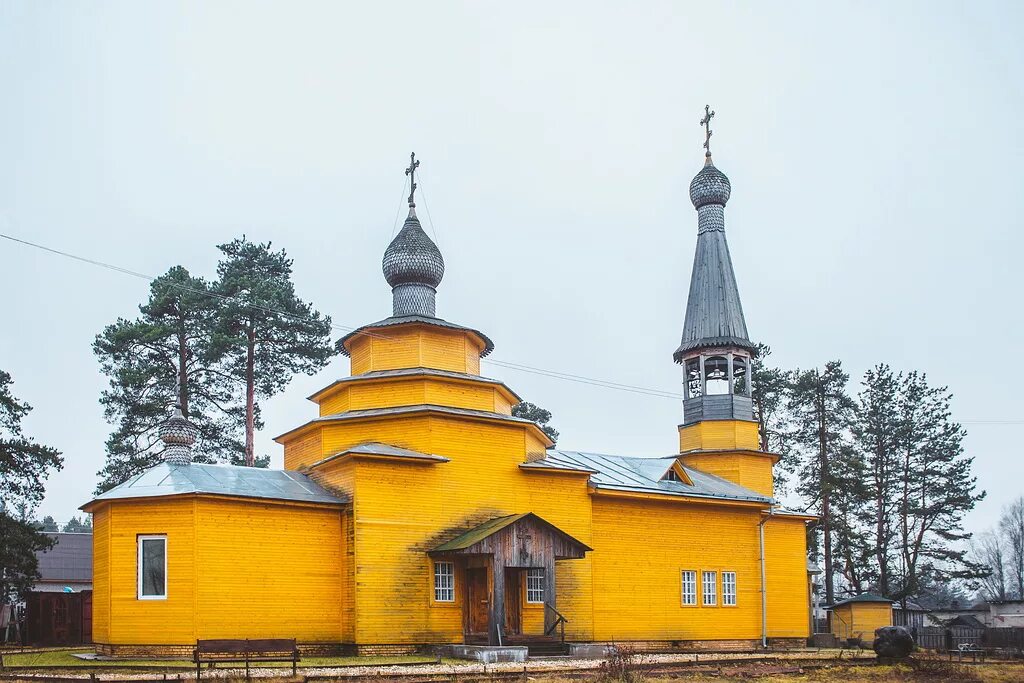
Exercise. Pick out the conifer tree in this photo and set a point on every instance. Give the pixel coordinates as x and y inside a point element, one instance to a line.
<point>768,391</point>
<point>24,468</point>
<point>160,359</point>
<point>265,333</point>
<point>1011,526</point>
<point>937,489</point>
<point>822,412</point>
<point>530,411</point>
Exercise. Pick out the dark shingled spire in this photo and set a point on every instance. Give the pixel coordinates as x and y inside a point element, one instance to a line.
<point>714,315</point>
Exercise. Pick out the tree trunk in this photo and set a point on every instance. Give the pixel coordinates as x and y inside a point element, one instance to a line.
<point>183,373</point>
<point>826,496</point>
<point>250,398</point>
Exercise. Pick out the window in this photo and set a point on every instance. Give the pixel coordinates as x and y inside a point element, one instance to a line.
<point>689,587</point>
<point>710,588</point>
<point>535,585</point>
<point>444,582</point>
<point>152,567</point>
<point>729,589</point>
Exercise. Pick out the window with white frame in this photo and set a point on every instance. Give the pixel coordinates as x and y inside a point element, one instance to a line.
<point>729,588</point>
<point>710,588</point>
<point>535,585</point>
<point>689,578</point>
<point>152,568</point>
<point>444,582</point>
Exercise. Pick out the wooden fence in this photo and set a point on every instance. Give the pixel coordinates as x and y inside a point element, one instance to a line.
<point>957,637</point>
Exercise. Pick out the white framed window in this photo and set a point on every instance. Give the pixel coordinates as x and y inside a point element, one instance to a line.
<point>689,587</point>
<point>710,588</point>
<point>729,589</point>
<point>152,567</point>
<point>535,585</point>
<point>444,582</point>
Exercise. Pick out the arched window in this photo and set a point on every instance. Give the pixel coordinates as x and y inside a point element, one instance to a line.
<point>740,381</point>
<point>716,375</point>
<point>693,383</point>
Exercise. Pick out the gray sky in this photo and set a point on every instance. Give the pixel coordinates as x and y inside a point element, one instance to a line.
<point>874,151</point>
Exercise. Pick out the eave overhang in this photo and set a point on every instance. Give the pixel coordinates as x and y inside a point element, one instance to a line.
<point>368,330</point>
<point>390,375</point>
<point>379,451</point>
<point>776,457</point>
<point>648,494</point>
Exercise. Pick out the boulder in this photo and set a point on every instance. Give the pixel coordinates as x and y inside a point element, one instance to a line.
<point>893,642</point>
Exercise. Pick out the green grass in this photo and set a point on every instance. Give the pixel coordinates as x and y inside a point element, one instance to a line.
<point>66,659</point>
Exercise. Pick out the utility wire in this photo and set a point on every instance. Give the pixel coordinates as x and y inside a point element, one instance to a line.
<point>554,374</point>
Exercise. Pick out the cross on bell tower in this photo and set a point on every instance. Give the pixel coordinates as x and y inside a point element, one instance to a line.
<point>411,172</point>
<point>706,123</point>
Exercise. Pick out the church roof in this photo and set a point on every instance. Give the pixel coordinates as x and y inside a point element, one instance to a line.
<point>478,533</point>
<point>416,372</point>
<point>406,319</point>
<point>167,479</point>
<point>644,475</point>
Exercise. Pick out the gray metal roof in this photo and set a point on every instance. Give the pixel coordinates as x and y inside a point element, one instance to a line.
<point>69,561</point>
<point>382,449</point>
<point>416,408</point>
<point>406,319</point>
<point>418,372</point>
<point>222,480</point>
<point>714,314</point>
<point>644,475</point>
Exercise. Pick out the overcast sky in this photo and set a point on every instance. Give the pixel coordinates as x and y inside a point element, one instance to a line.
<point>874,149</point>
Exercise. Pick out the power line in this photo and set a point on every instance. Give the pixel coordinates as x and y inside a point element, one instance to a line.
<point>543,372</point>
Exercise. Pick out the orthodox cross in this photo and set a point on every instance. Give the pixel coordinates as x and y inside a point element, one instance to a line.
<point>411,172</point>
<point>706,122</point>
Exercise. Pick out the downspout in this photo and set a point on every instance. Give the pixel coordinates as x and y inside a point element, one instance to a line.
<point>764,582</point>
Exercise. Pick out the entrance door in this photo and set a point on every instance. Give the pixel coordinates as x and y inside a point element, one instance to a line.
<point>478,602</point>
<point>513,601</point>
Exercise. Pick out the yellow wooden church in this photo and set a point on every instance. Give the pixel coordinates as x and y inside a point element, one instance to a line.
<point>414,509</point>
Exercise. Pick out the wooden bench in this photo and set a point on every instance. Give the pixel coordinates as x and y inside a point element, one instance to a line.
<point>248,651</point>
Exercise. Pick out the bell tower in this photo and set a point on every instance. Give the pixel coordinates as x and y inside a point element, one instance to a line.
<point>719,432</point>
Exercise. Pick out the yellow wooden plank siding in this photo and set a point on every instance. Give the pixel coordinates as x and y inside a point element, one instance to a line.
<point>404,391</point>
<point>860,619</point>
<point>307,448</point>
<point>641,548</point>
<point>719,434</point>
<point>415,346</point>
<point>394,532</point>
<point>101,575</point>
<point>236,568</point>
<point>750,470</point>
<point>785,542</point>
<point>269,570</point>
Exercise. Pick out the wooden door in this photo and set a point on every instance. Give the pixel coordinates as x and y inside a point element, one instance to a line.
<point>478,602</point>
<point>513,601</point>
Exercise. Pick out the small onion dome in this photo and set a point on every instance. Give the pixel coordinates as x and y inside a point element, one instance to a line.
<point>710,186</point>
<point>178,435</point>
<point>412,258</point>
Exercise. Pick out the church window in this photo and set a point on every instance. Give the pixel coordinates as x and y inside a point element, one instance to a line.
<point>152,568</point>
<point>444,582</point>
<point>739,376</point>
<point>535,585</point>
<point>694,382</point>
<point>710,589</point>
<point>729,589</point>
<point>689,587</point>
<point>716,375</point>
<point>671,475</point>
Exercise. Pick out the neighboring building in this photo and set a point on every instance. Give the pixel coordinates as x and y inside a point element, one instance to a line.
<point>911,616</point>
<point>1006,613</point>
<point>415,509</point>
<point>58,611</point>
<point>975,615</point>
<point>859,616</point>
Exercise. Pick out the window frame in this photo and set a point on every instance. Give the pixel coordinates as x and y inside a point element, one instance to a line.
<point>682,588</point>
<point>543,584</point>
<point>436,574</point>
<point>704,594</point>
<point>140,540</point>
<point>735,591</point>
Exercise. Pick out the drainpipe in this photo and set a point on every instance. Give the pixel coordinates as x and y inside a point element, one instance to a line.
<point>764,582</point>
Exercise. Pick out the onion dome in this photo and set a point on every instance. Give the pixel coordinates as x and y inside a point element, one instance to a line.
<point>709,186</point>
<point>178,435</point>
<point>413,266</point>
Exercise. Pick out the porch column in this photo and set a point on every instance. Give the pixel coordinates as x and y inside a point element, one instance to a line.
<point>497,601</point>
<point>550,603</point>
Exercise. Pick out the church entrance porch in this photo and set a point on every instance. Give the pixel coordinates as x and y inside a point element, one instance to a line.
<point>508,565</point>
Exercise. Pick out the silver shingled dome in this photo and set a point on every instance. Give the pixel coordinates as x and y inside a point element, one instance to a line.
<point>412,258</point>
<point>709,186</point>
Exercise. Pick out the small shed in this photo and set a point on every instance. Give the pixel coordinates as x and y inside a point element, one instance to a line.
<point>859,616</point>
<point>58,610</point>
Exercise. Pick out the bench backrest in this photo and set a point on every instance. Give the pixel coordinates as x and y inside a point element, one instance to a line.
<point>235,646</point>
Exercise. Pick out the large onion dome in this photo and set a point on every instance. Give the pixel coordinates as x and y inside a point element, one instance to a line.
<point>413,266</point>
<point>709,186</point>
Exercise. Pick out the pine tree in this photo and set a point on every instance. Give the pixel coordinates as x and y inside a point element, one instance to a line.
<point>265,333</point>
<point>822,412</point>
<point>78,526</point>
<point>48,524</point>
<point>938,488</point>
<point>529,411</point>
<point>160,359</point>
<point>768,390</point>
<point>24,468</point>
<point>1011,526</point>
<point>875,432</point>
